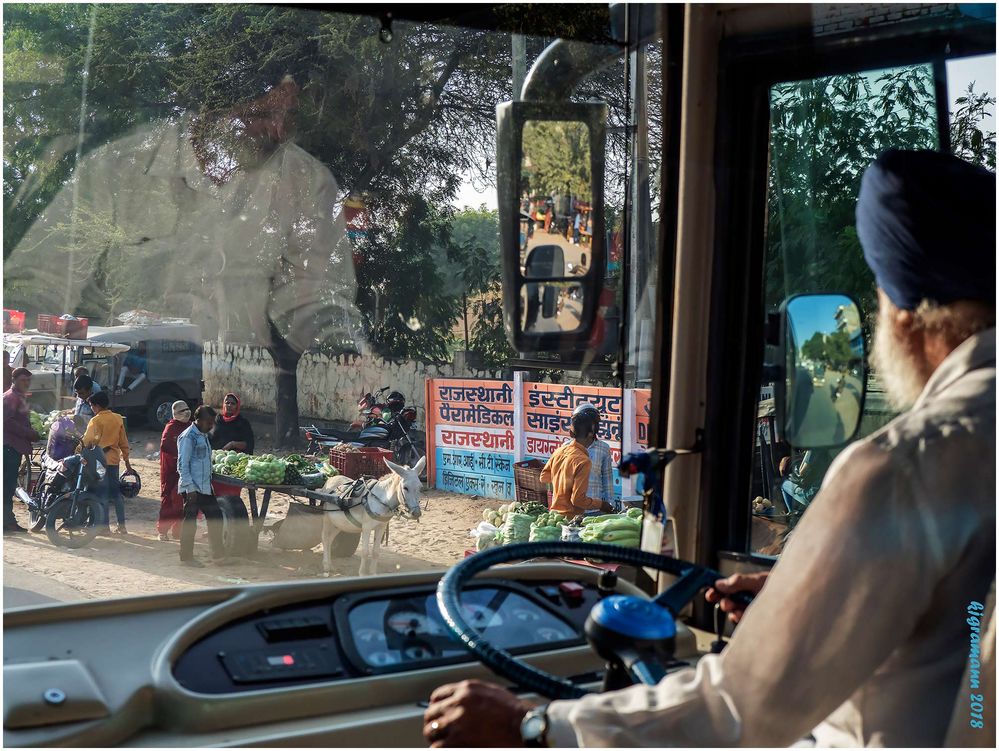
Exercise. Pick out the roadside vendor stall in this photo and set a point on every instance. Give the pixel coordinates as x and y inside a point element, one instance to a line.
<point>297,477</point>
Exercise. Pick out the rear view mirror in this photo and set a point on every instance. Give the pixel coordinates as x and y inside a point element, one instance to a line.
<point>820,399</point>
<point>550,175</point>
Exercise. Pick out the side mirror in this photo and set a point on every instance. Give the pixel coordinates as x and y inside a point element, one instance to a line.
<point>820,397</point>
<point>550,162</point>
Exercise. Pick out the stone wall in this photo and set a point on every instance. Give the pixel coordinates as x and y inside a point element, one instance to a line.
<point>328,387</point>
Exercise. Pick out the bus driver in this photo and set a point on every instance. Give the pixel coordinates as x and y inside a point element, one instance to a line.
<point>870,598</point>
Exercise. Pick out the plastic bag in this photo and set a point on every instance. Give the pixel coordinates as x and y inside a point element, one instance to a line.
<point>485,536</point>
<point>62,438</point>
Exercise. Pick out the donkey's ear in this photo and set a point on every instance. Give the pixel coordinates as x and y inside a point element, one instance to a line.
<point>396,469</point>
<point>420,465</point>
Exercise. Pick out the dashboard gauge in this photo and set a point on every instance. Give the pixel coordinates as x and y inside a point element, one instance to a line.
<point>381,659</point>
<point>418,652</point>
<point>525,616</point>
<point>547,633</point>
<point>481,616</point>
<point>370,637</point>
<point>411,623</point>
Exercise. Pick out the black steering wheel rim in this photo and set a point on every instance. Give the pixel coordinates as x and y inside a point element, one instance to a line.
<point>693,578</point>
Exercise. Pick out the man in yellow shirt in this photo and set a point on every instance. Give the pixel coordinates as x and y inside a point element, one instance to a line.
<point>568,469</point>
<point>107,430</point>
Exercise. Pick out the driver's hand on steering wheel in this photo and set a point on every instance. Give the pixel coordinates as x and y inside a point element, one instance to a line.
<point>473,713</point>
<point>735,583</point>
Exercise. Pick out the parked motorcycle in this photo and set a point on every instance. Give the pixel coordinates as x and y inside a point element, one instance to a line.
<point>397,433</point>
<point>371,411</point>
<point>66,500</point>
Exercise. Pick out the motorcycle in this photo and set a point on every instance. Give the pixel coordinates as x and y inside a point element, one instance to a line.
<point>66,500</point>
<point>397,433</point>
<point>371,411</point>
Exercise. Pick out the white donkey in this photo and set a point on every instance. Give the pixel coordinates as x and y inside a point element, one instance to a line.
<point>370,510</point>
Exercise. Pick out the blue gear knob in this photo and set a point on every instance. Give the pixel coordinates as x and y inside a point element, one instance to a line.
<point>634,618</point>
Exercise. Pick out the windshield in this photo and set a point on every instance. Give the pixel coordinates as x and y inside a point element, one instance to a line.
<point>301,224</point>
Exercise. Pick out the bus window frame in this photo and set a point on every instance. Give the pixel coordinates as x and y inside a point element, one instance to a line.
<point>747,69</point>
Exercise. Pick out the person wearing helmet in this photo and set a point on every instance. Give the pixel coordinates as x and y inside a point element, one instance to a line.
<point>568,470</point>
<point>601,484</point>
<point>395,403</point>
<point>171,501</point>
<point>107,430</point>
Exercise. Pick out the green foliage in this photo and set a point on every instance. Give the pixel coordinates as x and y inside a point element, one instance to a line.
<point>824,134</point>
<point>969,138</point>
<point>488,335</point>
<point>556,158</point>
<point>402,280</point>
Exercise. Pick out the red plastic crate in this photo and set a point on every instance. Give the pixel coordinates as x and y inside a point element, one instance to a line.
<point>72,329</point>
<point>47,323</point>
<point>364,462</point>
<point>13,321</point>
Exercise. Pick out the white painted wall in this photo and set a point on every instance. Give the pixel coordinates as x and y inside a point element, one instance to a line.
<point>328,388</point>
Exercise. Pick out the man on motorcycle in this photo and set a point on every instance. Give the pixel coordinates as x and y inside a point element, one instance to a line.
<point>870,599</point>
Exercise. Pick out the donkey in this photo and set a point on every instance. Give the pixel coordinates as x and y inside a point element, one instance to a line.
<point>398,492</point>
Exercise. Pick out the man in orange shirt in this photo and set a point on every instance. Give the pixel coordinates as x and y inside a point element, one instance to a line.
<point>568,470</point>
<point>107,430</point>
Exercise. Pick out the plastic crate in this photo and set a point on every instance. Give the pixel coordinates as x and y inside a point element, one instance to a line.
<point>13,321</point>
<point>47,323</point>
<point>72,329</point>
<point>364,462</point>
<point>527,477</point>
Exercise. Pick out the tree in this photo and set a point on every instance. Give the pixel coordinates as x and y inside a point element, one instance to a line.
<point>824,133</point>
<point>474,254</point>
<point>556,158</point>
<point>815,348</point>
<point>397,123</point>
<point>968,136</point>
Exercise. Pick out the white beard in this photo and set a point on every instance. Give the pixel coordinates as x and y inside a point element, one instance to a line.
<point>895,365</point>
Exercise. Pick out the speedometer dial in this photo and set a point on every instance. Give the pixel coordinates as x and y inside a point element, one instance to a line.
<point>481,616</point>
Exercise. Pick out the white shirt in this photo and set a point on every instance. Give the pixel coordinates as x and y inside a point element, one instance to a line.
<point>860,634</point>
<point>141,213</point>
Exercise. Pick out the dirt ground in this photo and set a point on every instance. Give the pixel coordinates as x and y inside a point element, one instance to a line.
<point>141,564</point>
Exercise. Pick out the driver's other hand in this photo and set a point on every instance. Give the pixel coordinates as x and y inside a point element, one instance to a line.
<point>735,583</point>
<point>473,713</point>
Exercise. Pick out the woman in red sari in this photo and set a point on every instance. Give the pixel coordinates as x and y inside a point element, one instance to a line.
<point>171,501</point>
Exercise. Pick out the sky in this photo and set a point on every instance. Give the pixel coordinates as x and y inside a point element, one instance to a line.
<point>980,69</point>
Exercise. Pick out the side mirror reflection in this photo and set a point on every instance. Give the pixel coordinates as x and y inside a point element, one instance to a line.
<point>825,372</point>
<point>550,179</point>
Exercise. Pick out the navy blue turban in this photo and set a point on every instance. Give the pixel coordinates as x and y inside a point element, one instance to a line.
<point>927,223</point>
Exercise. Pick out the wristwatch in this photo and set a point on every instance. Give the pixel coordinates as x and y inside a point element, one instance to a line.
<point>534,728</point>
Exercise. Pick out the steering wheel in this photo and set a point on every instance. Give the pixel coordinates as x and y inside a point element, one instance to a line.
<point>633,632</point>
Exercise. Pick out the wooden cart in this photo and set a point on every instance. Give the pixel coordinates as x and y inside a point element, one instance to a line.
<point>241,532</point>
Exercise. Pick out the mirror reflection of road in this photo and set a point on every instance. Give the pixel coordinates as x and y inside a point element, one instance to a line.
<point>572,253</point>
<point>826,408</point>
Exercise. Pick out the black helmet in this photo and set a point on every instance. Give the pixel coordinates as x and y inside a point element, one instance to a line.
<point>130,484</point>
<point>396,401</point>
